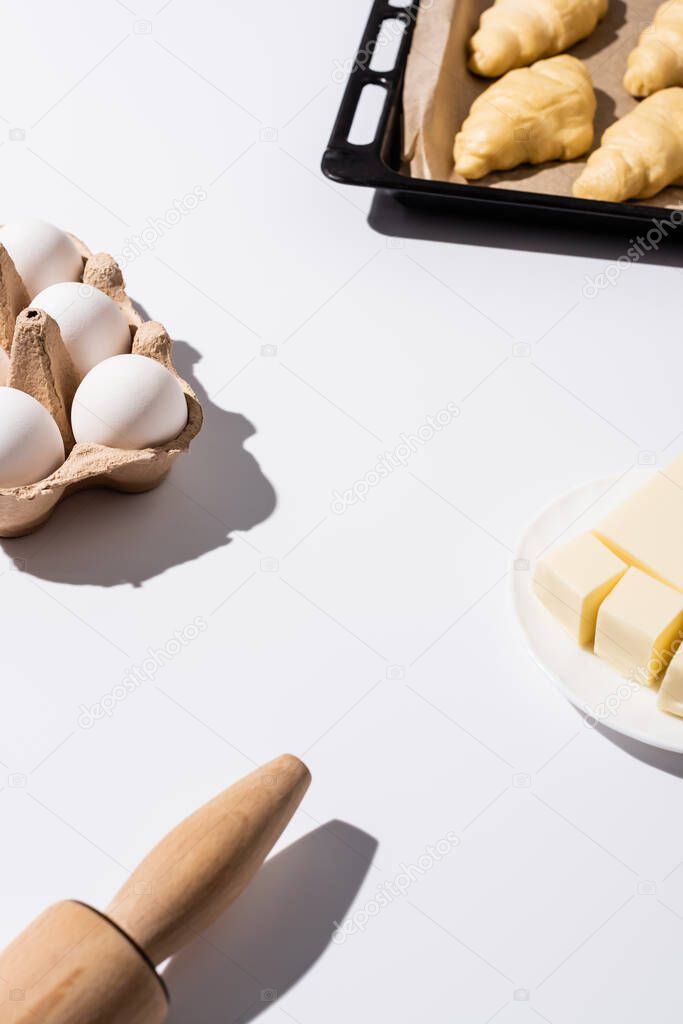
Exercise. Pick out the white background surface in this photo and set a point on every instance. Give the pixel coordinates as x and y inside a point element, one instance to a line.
<point>378,643</point>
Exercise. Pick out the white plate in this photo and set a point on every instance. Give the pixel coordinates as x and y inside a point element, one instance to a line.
<point>586,681</point>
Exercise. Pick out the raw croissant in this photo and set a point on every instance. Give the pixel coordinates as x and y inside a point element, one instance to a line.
<point>657,60</point>
<point>640,154</point>
<point>544,112</point>
<point>514,33</point>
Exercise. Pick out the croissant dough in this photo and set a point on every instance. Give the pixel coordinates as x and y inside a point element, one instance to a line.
<point>640,154</point>
<point>514,33</point>
<point>534,114</point>
<point>657,60</point>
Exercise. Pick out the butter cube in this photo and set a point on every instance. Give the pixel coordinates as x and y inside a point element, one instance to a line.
<point>646,530</point>
<point>574,579</point>
<point>671,691</point>
<point>639,627</point>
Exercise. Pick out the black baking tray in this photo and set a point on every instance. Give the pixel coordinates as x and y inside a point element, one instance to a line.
<point>377,164</point>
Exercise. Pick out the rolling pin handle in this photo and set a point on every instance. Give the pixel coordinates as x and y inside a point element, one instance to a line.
<point>199,868</point>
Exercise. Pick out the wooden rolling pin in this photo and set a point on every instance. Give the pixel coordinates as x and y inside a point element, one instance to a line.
<point>75,965</point>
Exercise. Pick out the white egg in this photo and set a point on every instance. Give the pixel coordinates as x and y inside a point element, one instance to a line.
<point>128,401</point>
<point>91,324</point>
<point>31,446</point>
<point>4,366</point>
<point>42,253</point>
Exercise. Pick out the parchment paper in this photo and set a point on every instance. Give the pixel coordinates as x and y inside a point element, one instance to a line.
<point>439,90</point>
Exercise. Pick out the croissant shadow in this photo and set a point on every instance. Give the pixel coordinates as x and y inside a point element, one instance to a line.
<point>605,115</point>
<point>606,32</point>
<point>275,931</point>
<point>107,538</point>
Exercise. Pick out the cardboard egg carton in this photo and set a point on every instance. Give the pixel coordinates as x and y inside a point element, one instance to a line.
<point>40,365</point>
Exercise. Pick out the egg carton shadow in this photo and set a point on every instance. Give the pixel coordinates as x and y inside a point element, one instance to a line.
<point>40,365</point>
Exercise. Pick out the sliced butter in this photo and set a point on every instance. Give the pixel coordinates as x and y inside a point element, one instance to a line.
<point>646,530</point>
<point>574,579</point>
<point>671,691</point>
<point>639,627</point>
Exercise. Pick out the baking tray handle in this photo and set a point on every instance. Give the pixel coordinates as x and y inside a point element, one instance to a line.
<point>343,160</point>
